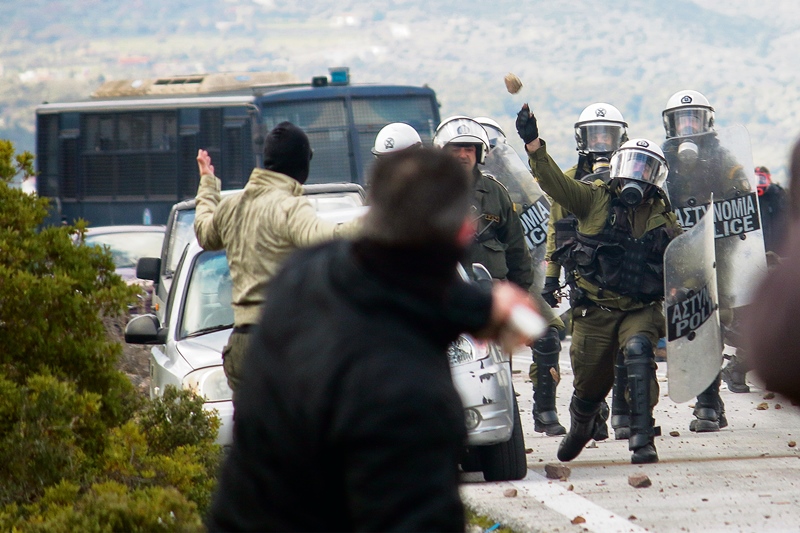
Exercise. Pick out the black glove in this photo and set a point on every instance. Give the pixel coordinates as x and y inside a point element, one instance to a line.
<point>551,286</point>
<point>526,125</point>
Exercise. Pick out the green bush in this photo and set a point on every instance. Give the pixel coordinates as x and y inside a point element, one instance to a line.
<point>82,451</point>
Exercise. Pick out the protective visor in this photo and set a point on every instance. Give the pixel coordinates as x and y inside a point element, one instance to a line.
<point>639,165</point>
<point>599,136</point>
<point>685,121</point>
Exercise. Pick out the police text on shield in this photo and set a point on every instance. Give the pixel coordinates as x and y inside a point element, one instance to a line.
<point>688,315</point>
<point>534,223</point>
<point>734,216</point>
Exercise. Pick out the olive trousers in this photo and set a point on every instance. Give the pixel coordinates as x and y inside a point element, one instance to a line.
<point>598,333</point>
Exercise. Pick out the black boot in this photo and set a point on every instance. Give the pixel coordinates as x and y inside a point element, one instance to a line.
<point>545,354</point>
<point>709,410</point>
<point>620,412</point>
<point>582,428</point>
<point>641,373</point>
<point>734,374</point>
<point>601,422</point>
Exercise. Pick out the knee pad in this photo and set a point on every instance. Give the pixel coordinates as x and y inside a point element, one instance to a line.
<point>549,342</point>
<point>638,346</point>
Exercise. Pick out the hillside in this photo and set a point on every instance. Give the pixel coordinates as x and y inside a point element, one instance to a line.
<point>634,55</point>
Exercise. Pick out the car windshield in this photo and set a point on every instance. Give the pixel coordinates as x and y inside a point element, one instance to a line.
<point>207,306</point>
<point>127,247</point>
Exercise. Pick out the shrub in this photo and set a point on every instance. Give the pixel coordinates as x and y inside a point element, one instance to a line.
<point>81,451</point>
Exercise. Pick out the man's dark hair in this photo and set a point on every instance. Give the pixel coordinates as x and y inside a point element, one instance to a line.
<point>287,150</point>
<point>417,197</point>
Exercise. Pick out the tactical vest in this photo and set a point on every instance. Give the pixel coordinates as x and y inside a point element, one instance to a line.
<point>614,260</point>
<point>567,227</point>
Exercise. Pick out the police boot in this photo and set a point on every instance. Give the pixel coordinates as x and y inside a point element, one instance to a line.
<point>734,375</point>
<point>639,365</point>
<point>582,428</point>
<point>601,423</point>
<point>620,412</point>
<point>545,354</point>
<point>709,410</point>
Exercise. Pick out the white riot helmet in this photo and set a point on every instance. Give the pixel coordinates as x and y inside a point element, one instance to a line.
<point>600,129</point>
<point>687,113</point>
<point>462,130</point>
<point>493,130</point>
<point>637,164</point>
<point>395,137</point>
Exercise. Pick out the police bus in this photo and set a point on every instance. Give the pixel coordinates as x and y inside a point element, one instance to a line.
<point>127,154</point>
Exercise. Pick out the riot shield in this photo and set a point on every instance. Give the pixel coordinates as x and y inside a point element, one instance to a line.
<point>532,205</point>
<point>694,339</point>
<point>721,163</point>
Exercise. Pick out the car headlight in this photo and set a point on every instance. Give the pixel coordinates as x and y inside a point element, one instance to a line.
<point>465,350</point>
<point>210,383</point>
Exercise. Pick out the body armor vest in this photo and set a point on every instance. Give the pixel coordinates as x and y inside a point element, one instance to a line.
<point>615,260</point>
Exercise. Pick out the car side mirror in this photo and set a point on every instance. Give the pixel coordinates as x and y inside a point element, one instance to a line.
<point>148,268</point>
<point>145,329</point>
<point>481,276</point>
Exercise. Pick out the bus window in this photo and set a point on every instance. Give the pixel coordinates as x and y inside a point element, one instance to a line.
<point>373,113</point>
<point>325,123</point>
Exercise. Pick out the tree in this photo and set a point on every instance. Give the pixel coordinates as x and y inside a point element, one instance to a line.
<point>83,450</point>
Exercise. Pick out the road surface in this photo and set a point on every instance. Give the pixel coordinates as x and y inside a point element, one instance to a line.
<point>744,478</point>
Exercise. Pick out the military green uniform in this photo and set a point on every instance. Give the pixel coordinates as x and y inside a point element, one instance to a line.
<point>500,242</point>
<point>606,320</point>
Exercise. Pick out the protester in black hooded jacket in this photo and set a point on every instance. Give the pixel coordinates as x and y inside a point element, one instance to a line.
<point>347,418</point>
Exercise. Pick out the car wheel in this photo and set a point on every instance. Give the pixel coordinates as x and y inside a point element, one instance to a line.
<point>506,461</point>
<point>471,460</point>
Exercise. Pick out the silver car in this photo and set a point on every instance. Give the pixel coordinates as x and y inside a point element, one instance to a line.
<point>193,326</point>
<point>482,377</point>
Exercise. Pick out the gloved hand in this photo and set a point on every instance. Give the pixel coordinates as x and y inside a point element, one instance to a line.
<point>551,286</point>
<point>526,125</point>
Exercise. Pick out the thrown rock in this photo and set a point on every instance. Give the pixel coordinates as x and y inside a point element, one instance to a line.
<point>674,434</point>
<point>639,481</point>
<point>513,83</point>
<point>556,471</point>
<point>510,493</point>
<point>578,520</point>
<point>792,444</point>
<point>769,395</point>
<point>763,406</point>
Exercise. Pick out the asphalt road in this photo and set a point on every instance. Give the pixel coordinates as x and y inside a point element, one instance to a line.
<point>745,477</point>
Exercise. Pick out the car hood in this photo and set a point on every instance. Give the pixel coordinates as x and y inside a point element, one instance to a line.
<point>204,350</point>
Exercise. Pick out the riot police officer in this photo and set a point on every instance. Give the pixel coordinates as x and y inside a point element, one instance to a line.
<point>616,256</point>
<point>544,371</point>
<point>700,166</point>
<point>599,131</point>
<point>395,137</point>
<point>499,243</point>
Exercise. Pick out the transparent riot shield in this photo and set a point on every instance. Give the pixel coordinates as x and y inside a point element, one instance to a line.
<point>532,205</point>
<point>694,339</point>
<point>721,163</point>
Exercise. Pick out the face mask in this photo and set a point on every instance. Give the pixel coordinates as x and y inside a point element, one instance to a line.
<point>600,164</point>
<point>632,193</point>
<point>687,152</point>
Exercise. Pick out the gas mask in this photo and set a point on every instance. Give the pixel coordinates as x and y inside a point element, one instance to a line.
<point>687,152</point>
<point>600,162</point>
<point>632,192</point>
